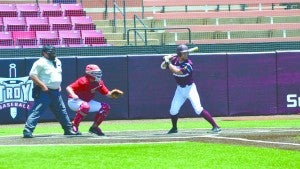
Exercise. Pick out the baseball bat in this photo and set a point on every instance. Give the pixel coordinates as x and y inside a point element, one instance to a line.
<point>162,66</point>
<point>194,49</point>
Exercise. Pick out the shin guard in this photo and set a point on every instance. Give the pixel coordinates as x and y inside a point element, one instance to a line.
<point>81,113</point>
<point>103,112</point>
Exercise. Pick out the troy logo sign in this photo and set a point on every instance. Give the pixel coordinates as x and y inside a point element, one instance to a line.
<point>15,92</point>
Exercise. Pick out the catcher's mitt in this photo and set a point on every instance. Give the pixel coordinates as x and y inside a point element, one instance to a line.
<point>116,93</point>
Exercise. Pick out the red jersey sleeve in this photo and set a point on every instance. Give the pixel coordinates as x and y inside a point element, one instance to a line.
<point>78,84</point>
<point>102,89</point>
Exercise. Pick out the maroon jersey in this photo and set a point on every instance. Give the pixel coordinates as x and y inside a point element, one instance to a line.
<point>86,90</point>
<point>186,68</point>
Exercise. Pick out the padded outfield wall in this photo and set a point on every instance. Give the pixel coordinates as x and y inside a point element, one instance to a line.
<point>230,84</point>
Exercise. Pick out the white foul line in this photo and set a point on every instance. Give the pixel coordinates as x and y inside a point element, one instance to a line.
<point>256,141</point>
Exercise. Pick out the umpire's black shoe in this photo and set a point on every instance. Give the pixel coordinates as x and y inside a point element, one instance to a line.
<point>27,135</point>
<point>173,130</point>
<point>70,132</point>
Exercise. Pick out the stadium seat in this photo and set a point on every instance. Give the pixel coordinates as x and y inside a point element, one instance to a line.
<point>14,24</point>
<point>37,23</point>
<point>82,23</point>
<point>24,38</point>
<point>1,24</point>
<point>6,39</point>
<point>10,47</point>
<point>28,10</point>
<point>92,37</point>
<point>32,46</point>
<point>60,23</point>
<point>47,37</point>
<point>72,10</point>
<point>8,10</point>
<point>65,1</point>
<point>50,10</point>
<point>70,37</point>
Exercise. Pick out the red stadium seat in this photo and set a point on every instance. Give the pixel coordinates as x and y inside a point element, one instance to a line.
<point>60,23</point>
<point>47,37</point>
<point>6,39</point>
<point>37,24</point>
<point>70,37</point>
<point>32,46</point>
<point>14,24</point>
<point>24,38</point>
<point>82,23</point>
<point>28,10</point>
<point>72,10</point>
<point>1,25</point>
<point>92,37</point>
<point>50,10</point>
<point>8,10</point>
<point>10,47</point>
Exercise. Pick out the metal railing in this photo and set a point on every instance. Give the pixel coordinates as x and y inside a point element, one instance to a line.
<point>145,38</point>
<point>124,17</point>
<point>136,33</point>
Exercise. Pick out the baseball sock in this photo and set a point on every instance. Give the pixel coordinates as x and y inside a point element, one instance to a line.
<point>174,121</point>
<point>206,115</point>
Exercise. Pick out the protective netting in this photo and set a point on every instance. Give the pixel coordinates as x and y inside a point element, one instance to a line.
<point>144,26</point>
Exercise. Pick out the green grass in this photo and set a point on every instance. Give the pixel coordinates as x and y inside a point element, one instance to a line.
<point>181,155</point>
<point>170,155</point>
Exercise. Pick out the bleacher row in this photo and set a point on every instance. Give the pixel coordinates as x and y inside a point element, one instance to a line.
<point>34,25</point>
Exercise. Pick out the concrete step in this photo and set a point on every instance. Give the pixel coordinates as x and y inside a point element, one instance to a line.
<point>139,43</point>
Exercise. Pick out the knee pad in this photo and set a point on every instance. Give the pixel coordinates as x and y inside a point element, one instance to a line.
<point>84,107</point>
<point>105,108</point>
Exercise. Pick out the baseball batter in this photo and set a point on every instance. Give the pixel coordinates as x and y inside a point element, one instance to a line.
<point>182,68</point>
<point>81,98</point>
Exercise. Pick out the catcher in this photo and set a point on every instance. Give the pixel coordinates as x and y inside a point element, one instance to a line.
<point>81,95</point>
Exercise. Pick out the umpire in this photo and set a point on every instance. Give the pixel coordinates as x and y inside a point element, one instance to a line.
<point>46,73</point>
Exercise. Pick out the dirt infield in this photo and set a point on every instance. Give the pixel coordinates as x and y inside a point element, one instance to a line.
<point>282,138</point>
<point>274,138</point>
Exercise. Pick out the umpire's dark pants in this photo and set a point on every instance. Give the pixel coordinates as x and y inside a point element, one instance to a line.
<point>54,101</point>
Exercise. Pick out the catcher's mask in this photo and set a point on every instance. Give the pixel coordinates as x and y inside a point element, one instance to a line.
<point>181,49</point>
<point>94,71</point>
<point>50,50</point>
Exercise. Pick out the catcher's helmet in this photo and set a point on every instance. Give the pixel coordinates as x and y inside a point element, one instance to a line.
<point>94,71</point>
<point>50,50</point>
<point>181,49</point>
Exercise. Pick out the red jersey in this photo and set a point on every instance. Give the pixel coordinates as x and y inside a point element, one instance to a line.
<point>84,88</point>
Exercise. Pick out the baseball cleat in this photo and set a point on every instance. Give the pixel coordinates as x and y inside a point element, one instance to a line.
<point>173,130</point>
<point>96,130</point>
<point>215,130</point>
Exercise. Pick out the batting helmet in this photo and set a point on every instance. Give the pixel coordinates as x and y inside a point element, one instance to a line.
<point>50,50</point>
<point>94,71</point>
<point>181,49</point>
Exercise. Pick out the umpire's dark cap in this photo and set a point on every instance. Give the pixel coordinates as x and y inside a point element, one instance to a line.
<point>48,49</point>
